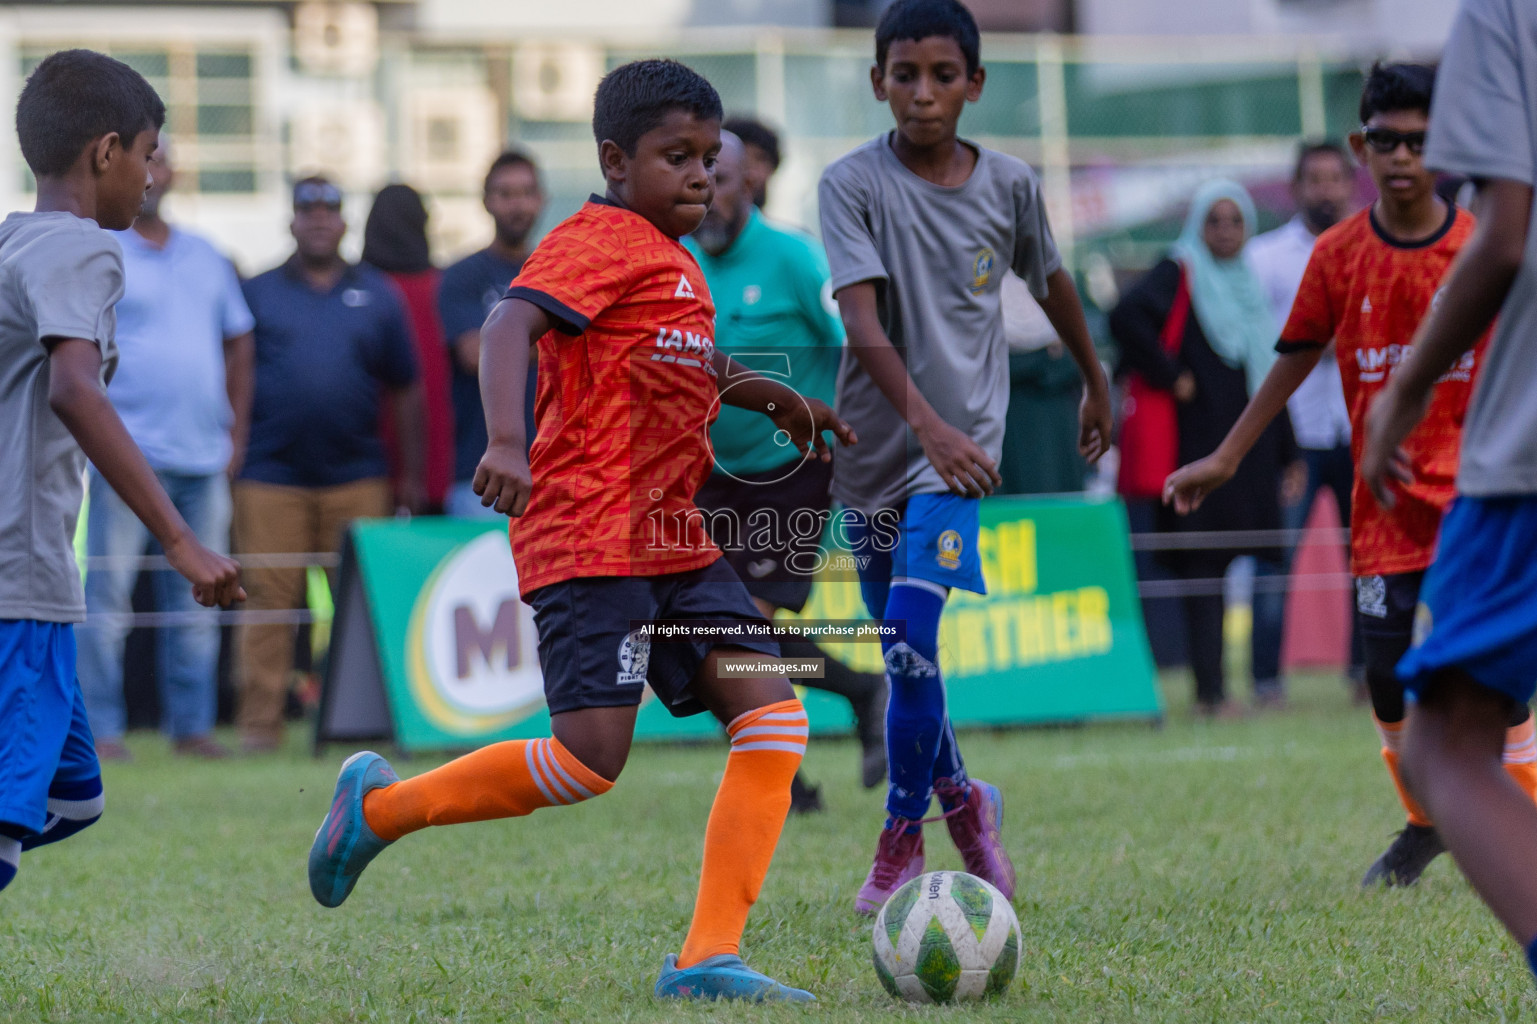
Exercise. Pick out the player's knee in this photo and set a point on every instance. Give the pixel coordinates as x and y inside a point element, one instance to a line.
<point>604,760</point>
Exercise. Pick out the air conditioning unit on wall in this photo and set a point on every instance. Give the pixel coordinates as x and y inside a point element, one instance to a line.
<point>449,138</point>
<point>344,139</point>
<point>555,81</point>
<point>336,38</point>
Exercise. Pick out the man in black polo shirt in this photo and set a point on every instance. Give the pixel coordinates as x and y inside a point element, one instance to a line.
<point>331,340</point>
<point>514,198</point>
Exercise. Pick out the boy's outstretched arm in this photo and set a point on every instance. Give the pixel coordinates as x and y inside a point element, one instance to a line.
<point>804,419</point>
<point>502,479</point>
<point>76,396</point>
<point>1065,311</point>
<point>1189,485</point>
<point>1474,291</point>
<point>961,463</point>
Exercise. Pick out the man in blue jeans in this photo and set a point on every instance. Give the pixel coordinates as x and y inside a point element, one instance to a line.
<point>183,389</point>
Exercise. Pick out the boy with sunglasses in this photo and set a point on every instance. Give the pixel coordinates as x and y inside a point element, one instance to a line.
<point>1369,283</point>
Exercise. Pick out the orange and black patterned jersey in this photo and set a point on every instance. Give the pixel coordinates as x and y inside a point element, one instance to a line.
<point>626,394</point>
<point>1369,292</point>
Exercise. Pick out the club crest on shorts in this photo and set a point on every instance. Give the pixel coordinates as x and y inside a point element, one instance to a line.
<point>982,270</point>
<point>1372,596</point>
<point>634,656</point>
<point>950,546</point>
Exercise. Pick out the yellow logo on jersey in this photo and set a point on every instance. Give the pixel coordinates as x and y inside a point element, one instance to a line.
<point>950,550</point>
<point>981,271</point>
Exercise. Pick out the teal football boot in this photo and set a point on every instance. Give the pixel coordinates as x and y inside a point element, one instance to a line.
<point>723,977</point>
<point>345,844</point>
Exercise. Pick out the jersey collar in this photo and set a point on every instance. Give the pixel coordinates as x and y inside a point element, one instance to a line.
<point>1423,243</point>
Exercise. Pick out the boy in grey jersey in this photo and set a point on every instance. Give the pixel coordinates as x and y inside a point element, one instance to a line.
<point>919,227</point>
<point>87,126</point>
<point>1475,653</point>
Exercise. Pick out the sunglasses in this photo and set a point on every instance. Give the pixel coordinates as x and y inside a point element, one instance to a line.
<point>317,193</point>
<point>1384,140</point>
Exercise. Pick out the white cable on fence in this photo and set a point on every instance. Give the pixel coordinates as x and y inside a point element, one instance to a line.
<point>282,560</point>
<point>1242,541</point>
<point>1211,540</point>
<point>1216,585</point>
<point>203,617</point>
<point>1199,540</point>
<point>220,617</point>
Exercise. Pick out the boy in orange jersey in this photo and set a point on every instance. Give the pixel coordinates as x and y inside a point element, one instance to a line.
<point>1369,283</point>
<point>606,535</point>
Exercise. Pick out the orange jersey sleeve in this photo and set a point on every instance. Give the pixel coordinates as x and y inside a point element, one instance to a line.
<point>579,270</point>
<point>627,390</point>
<point>1313,320</point>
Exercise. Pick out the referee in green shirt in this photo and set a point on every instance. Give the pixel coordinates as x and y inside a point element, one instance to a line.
<point>766,502</point>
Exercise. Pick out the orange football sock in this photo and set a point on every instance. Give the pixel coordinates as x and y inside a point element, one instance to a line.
<point>1392,734</point>
<point>503,780</point>
<point>749,811</point>
<point>1520,756</point>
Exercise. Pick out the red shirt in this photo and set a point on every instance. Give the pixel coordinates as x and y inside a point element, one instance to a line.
<point>626,395</point>
<point>419,291</point>
<point>1369,293</point>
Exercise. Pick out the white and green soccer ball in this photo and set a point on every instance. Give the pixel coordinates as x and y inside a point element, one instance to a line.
<point>946,936</point>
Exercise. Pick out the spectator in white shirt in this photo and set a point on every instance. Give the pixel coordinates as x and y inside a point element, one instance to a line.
<point>1323,187</point>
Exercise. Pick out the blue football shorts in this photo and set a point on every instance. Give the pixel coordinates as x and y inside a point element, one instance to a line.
<point>44,736</point>
<point>1478,606</point>
<point>937,542</point>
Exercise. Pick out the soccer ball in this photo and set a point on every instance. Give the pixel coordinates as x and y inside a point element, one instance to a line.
<point>945,936</point>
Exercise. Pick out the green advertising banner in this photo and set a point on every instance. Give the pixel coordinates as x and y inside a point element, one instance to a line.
<point>433,648</point>
<point>1059,635</point>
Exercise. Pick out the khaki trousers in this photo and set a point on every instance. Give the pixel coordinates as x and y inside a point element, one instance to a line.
<point>270,519</point>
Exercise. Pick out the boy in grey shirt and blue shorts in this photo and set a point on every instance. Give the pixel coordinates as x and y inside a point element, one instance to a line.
<point>1474,657</point>
<point>87,126</point>
<point>920,227</point>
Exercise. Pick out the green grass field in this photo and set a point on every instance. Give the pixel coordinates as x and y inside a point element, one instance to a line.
<point>1197,872</point>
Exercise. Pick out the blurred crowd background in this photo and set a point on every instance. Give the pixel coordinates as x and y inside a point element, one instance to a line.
<point>1122,118</point>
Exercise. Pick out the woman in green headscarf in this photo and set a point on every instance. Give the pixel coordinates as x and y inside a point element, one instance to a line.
<point>1224,350</point>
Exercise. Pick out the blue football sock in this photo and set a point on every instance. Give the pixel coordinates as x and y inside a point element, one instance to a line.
<point>948,765</point>
<point>1531,955</point>
<point>915,717</point>
<point>72,806</point>
<point>10,859</point>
